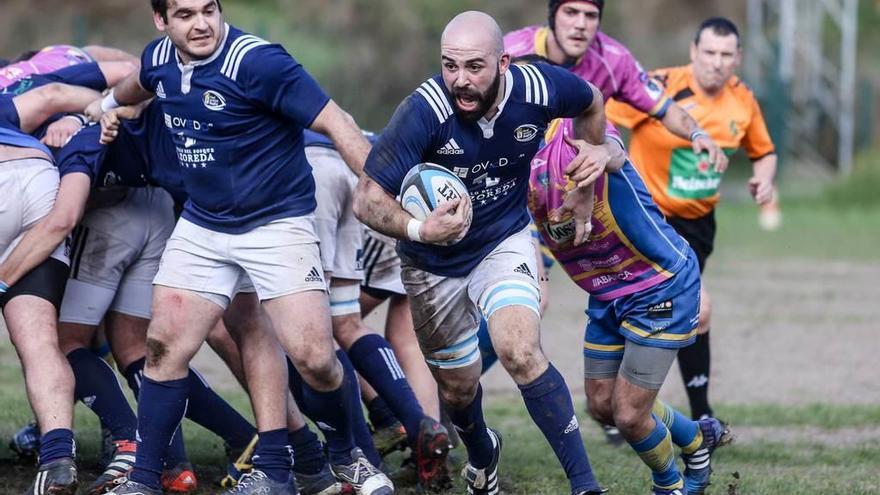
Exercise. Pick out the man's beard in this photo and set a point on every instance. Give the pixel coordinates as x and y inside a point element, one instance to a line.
<point>484,101</point>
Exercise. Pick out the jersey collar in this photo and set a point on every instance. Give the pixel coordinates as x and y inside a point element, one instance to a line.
<point>488,126</point>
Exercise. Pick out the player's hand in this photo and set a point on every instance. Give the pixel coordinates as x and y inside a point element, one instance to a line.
<point>717,157</point>
<point>59,132</point>
<point>589,164</point>
<point>578,203</point>
<point>761,189</point>
<point>110,122</point>
<point>94,111</point>
<point>448,223</point>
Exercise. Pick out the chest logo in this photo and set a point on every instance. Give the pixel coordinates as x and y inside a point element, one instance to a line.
<point>213,100</point>
<point>525,133</point>
<point>450,148</point>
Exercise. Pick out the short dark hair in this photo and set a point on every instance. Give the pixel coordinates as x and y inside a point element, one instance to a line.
<point>26,55</point>
<point>161,7</point>
<point>721,26</point>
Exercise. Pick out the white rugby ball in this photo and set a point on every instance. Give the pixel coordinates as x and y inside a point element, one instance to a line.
<point>427,186</point>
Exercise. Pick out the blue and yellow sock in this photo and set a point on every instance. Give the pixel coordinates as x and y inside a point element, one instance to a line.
<point>685,432</point>
<point>657,453</point>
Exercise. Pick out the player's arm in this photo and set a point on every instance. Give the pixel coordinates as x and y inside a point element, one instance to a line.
<point>128,92</point>
<point>763,175</point>
<point>679,122</point>
<point>108,54</point>
<point>341,128</point>
<point>36,106</point>
<point>115,72</point>
<point>759,146</point>
<point>112,119</point>
<point>41,240</point>
<point>399,148</point>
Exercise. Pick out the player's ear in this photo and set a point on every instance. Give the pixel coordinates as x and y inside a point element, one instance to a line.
<point>503,63</point>
<point>693,52</point>
<point>159,21</point>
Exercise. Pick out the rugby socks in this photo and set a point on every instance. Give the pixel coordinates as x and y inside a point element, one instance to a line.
<point>374,359</point>
<point>331,412</point>
<point>471,428</point>
<point>161,407</point>
<point>380,414</point>
<point>98,388</point>
<point>272,455</point>
<point>684,431</point>
<point>360,430</point>
<point>214,413</point>
<point>657,453</point>
<point>694,361</point>
<point>308,455</point>
<point>549,404</point>
<point>176,452</point>
<point>56,444</point>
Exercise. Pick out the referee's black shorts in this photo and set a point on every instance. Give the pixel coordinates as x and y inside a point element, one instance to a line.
<point>699,233</point>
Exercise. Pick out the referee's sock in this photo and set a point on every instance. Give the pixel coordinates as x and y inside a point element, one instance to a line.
<point>98,388</point>
<point>694,362</point>
<point>374,359</point>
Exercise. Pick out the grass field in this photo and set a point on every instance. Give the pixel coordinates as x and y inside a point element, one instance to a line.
<point>795,371</point>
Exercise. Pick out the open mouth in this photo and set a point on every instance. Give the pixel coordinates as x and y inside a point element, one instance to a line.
<point>201,38</point>
<point>466,102</point>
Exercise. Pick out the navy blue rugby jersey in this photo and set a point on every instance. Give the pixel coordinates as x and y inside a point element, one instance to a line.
<point>236,119</point>
<point>142,154</point>
<point>87,75</point>
<point>10,128</point>
<point>492,157</point>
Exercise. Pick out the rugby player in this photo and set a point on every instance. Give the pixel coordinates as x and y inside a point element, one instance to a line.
<point>644,286</point>
<point>113,66</point>
<point>30,300</point>
<point>236,106</point>
<point>682,183</point>
<point>491,114</point>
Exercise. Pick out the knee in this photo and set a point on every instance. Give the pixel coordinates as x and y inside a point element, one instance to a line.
<point>629,419</point>
<point>457,394</point>
<point>522,361</point>
<point>157,352</point>
<point>600,410</point>
<point>318,369</point>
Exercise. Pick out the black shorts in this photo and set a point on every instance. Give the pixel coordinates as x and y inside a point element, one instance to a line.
<point>699,233</point>
<point>47,281</point>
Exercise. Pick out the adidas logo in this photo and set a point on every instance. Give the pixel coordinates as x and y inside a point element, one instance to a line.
<point>524,269</point>
<point>572,425</point>
<point>314,276</point>
<point>450,148</point>
<point>160,90</point>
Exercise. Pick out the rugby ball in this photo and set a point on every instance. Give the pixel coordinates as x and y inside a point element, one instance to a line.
<point>427,186</point>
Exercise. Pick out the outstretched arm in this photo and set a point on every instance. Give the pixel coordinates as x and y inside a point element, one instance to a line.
<point>679,122</point>
<point>341,128</point>
<point>128,92</point>
<point>763,174</point>
<point>36,106</point>
<point>42,239</point>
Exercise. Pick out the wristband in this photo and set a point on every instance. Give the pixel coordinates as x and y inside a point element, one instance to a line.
<point>109,102</point>
<point>3,287</point>
<point>412,230</point>
<point>698,133</point>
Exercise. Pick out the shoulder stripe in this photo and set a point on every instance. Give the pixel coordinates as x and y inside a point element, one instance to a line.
<point>237,51</point>
<point>429,93</point>
<point>162,52</point>
<point>538,94</point>
<point>438,91</point>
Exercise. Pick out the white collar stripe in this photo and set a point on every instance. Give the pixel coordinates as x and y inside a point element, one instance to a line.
<point>442,96</point>
<point>437,95</point>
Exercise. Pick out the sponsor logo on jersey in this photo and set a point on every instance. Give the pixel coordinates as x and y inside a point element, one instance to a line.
<point>450,148</point>
<point>213,100</point>
<point>661,310</point>
<point>525,133</point>
<point>160,90</point>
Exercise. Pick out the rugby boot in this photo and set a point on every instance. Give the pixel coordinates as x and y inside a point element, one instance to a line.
<point>485,481</point>
<point>128,487</point>
<point>673,491</point>
<point>432,447</point>
<point>26,442</point>
<point>180,479</point>
<point>389,439</point>
<point>321,483</point>
<point>240,462</point>
<point>698,466</point>
<point>121,463</point>
<point>613,436</point>
<point>365,478</point>
<point>257,483</point>
<point>55,478</point>
<point>591,492</point>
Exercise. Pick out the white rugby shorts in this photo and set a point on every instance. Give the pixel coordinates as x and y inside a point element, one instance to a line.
<point>28,187</point>
<point>115,256</point>
<point>279,258</point>
<point>381,263</point>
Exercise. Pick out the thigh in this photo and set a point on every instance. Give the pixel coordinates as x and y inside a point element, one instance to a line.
<point>646,367</point>
<point>281,258</point>
<point>127,336</point>
<point>603,343</point>
<point>445,319</point>
<point>302,322</point>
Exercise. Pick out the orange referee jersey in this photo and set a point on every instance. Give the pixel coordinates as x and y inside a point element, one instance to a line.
<point>681,182</point>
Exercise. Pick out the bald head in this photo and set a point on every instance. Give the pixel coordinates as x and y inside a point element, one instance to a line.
<point>473,31</point>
